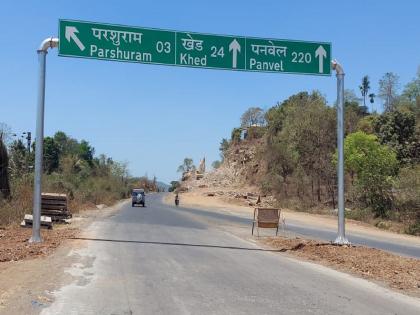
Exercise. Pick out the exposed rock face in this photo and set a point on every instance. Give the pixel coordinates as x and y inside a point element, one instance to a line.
<point>237,177</point>
<point>202,166</point>
<point>241,166</point>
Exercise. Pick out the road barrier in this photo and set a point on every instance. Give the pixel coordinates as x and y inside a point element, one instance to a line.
<point>266,218</point>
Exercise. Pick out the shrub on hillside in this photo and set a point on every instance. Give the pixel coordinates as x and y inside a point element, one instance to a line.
<point>373,165</point>
<point>255,132</point>
<point>407,198</point>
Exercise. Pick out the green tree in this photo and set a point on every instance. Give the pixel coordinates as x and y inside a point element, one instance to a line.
<point>174,186</point>
<point>353,114</point>
<point>407,200</point>
<point>351,97</point>
<point>301,132</point>
<point>236,135</point>
<point>374,165</point>
<point>4,170</point>
<point>372,100</point>
<point>315,140</point>
<point>186,166</point>
<point>66,144</point>
<point>281,158</point>
<point>364,88</point>
<point>252,116</point>
<point>18,158</point>
<point>224,146</point>
<point>51,155</point>
<point>216,164</point>
<point>398,130</point>
<point>410,97</point>
<point>5,133</point>
<point>388,90</point>
<point>366,123</point>
<point>412,89</point>
<point>86,151</point>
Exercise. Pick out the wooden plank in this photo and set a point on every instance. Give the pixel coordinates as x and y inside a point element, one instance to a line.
<point>49,213</point>
<point>54,202</point>
<point>54,207</point>
<point>53,195</point>
<point>267,224</point>
<point>54,198</point>
<point>60,218</point>
<point>54,211</point>
<point>45,221</point>
<point>29,217</point>
<point>268,215</point>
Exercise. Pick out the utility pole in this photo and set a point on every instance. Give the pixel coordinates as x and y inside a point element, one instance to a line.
<point>341,235</point>
<point>28,140</point>
<point>28,148</point>
<point>39,140</point>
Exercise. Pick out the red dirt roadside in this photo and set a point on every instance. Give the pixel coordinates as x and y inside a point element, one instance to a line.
<point>14,244</point>
<point>397,272</point>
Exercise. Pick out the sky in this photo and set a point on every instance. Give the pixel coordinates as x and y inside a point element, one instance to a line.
<point>153,116</point>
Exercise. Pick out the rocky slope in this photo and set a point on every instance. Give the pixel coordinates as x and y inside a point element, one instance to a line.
<point>237,178</point>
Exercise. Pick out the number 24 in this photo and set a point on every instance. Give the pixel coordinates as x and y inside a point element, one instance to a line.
<point>217,53</point>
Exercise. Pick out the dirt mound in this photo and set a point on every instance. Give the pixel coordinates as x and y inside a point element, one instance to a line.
<point>14,242</point>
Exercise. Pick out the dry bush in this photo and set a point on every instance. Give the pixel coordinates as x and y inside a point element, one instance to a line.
<point>407,198</point>
<point>13,209</point>
<point>82,193</point>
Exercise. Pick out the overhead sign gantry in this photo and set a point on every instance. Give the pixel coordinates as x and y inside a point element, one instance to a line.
<point>189,49</point>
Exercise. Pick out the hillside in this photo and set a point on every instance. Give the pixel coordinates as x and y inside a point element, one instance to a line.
<point>238,178</point>
<point>286,157</point>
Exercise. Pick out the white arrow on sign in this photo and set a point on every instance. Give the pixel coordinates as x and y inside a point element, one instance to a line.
<point>71,33</point>
<point>234,47</point>
<point>321,54</point>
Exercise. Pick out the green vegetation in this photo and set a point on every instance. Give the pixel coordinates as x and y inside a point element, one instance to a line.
<point>397,129</point>
<point>4,165</point>
<point>236,135</point>
<point>71,167</point>
<point>174,186</point>
<point>373,165</point>
<point>296,159</point>
<point>254,116</point>
<point>186,166</point>
<point>216,164</point>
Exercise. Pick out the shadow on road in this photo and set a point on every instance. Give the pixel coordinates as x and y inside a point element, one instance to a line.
<point>179,244</point>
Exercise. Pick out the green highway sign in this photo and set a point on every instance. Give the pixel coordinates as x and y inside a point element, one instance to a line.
<point>189,49</point>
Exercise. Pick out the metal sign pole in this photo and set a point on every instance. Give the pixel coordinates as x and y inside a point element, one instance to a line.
<point>39,141</point>
<point>341,235</point>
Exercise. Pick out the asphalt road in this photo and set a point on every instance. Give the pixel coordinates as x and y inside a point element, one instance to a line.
<point>314,232</point>
<point>166,260</point>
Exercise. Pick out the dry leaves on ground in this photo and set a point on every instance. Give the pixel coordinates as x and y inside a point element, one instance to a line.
<point>398,272</point>
<point>14,242</point>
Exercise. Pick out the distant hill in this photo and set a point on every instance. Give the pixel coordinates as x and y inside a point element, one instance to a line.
<point>163,185</point>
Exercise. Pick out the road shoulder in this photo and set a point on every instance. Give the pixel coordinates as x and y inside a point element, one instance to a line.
<point>27,284</point>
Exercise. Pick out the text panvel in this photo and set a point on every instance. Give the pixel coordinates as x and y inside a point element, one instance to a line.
<point>119,54</point>
<point>265,65</point>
